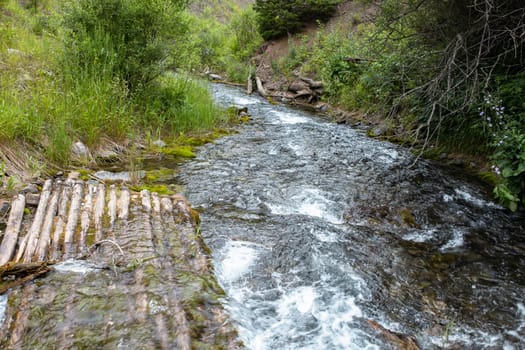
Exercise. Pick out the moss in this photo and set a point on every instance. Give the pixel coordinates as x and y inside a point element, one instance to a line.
<point>159,175</point>
<point>408,218</point>
<point>158,188</point>
<point>84,173</point>
<point>245,118</point>
<point>177,151</point>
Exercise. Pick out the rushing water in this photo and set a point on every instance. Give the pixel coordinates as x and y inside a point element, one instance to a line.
<point>317,230</point>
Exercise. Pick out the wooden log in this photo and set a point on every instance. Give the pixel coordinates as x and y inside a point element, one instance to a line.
<point>23,273</point>
<point>85,218</point>
<point>123,204</point>
<point>249,84</point>
<point>260,87</point>
<point>45,235</point>
<point>146,200</point>
<point>112,206</point>
<point>156,202</point>
<point>72,220</point>
<point>60,222</point>
<point>12,229</point>
<point>314,84</point>
<point>98,211</point>
<point>166,205</point>
<point>30,242</point>
<point>303,93</point>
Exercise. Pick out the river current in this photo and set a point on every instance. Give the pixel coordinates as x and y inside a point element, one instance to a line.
<point>319,232</point>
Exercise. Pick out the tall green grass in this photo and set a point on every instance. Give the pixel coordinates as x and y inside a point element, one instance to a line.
<point>49,101</point>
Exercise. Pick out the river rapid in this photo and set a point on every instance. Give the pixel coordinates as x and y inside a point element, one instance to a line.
<point>319,232</point>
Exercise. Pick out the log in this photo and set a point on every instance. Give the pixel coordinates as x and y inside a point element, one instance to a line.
<point>146,200</point>
<point>98,211</point>
<point>249,84</point>
<point>85,218</point>
<point>314,84</point>
<point>297,85</point>
<point>72,219</point>
<point>45,235</point>
<point>12,229</point>
<point>156,202</point>
<point>112,206</point>
<point>30,242</point>
<point>23,273</point>
<point>303,93</point>
<point>60,222</point>
<point>123,204</point>
<point>260,87</point>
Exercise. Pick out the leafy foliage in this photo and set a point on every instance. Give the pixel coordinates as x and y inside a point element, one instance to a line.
<point>129,39</point>
<point>280,17</point>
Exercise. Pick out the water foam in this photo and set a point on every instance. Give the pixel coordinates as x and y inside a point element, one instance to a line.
<point>3,308</point>
<point>290,118</point>
<point>309,202</point>
<point>244,101</point>
<point>457,240</point>
<point>321,322</point>
<point>237,259</point>
<point>77,266</point>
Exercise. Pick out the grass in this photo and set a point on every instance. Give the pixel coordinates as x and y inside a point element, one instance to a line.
<point>47,105</point>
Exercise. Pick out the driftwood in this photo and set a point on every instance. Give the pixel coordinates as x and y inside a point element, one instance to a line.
<point>314,84</point>
<point>20,273</point>
<point>13,229</point>
<point>260,87</point>
<point>249,84</point>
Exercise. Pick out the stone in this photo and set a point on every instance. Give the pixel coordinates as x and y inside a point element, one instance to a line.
<point>4,207</point>
<point>298,85</point>
<point>80,151</point>
<point>32,199</point>
<point>122,176</point>
<point>215,76</point>
<point>108,156</point>
<point>74,175</point>
<point>31,188</point>
<point>159,143</point>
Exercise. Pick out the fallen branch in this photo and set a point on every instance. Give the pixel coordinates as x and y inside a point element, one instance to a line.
<point>21,274</point>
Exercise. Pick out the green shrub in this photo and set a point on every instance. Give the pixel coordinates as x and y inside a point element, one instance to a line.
<point>129,39</point>
<point>277,18</point>
<point>245,39</point>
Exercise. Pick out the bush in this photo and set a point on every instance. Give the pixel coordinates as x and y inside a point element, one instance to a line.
<point>277,18</point>
<point>127,39</point>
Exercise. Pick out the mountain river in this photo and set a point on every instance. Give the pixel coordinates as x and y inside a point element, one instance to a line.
<point>323,238</point>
